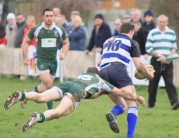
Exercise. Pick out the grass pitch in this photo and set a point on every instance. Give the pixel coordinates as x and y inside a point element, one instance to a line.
<point>88,121</point>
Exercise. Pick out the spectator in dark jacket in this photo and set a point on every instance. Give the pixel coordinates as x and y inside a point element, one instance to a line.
<point>100,33</point>
<point>140,36</point>
<point>21,25</point>
<point>77,35</point>
<point>117,24</point>
<point>149,23</point>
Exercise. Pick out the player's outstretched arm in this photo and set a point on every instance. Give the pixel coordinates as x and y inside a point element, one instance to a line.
<point>25,45</point>
<point>129,95</point>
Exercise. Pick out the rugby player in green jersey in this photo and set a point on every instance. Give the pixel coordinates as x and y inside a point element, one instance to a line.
<point>48,35</point>
<point>71,93</point>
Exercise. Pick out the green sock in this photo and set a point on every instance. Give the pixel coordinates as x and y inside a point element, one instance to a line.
<point>42,118</point>
<point>35,89</point>
<point>49,105</point>
<point>23,96</point>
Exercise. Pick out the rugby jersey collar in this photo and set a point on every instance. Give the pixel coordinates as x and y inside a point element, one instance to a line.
<point>53,25</point>
<point>167,29</point>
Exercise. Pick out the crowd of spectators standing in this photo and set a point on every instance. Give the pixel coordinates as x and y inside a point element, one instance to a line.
<point>18,26</point>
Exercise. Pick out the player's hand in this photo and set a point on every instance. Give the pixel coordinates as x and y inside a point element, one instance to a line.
<point>62,56</point>
<point>26,61</point>
<point>150,74</point>
<point>87,52</point>
<point>141,100</point>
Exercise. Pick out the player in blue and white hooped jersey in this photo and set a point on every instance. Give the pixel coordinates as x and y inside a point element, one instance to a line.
<point>116,55</point>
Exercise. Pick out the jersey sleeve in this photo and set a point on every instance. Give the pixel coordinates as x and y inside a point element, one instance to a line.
<point>107,87</point>
<point>31,33</point>
<point>135,50</point>
<point>64,33</point>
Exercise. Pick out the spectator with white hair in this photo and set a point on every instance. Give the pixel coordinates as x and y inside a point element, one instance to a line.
<point>10,30</point>
<point>136,15</point>
<point>161,44</point>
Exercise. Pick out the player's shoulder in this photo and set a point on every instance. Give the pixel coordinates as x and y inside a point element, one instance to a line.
<point>36,27</point>
<point>57,26</point>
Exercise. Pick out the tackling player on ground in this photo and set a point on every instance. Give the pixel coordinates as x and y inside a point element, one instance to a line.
<point>116,55</point>
<point>71,93</point>
<point>48,35</point>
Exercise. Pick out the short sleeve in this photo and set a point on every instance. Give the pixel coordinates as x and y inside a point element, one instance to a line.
<point>64,34</point>
<point>135,49</point>
<point>31,33</point>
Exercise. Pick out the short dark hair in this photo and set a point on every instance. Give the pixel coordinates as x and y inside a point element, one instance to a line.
<point>93,70</point>
<point>126,27</point>
<point>47,9</point>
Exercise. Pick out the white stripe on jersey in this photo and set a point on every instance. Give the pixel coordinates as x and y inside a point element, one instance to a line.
<point>59,30</point>
<point>37,31</point>
<point>124,41</point>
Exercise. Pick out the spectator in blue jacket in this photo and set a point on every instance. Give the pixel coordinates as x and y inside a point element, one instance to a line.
<point>100,33</point>
<point>77,35</point>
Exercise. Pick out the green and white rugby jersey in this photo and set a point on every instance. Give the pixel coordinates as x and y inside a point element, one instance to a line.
<point>47,40</point>
<point>92,83</point>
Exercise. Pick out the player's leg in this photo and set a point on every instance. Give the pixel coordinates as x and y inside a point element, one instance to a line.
<point>65,107</point>
<point>119,108</point>
<point>132,112</point>
<point>49,95</point>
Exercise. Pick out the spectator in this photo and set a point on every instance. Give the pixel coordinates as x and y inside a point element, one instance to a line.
<point>136,15</point>
<point>77,35</point>
<point>161,43</point>
<point>21,25</point>
<point>140,36</point>
<point>2,35</point>
<point>100,33</point>
<point>10,30</point>
<point>61,20</point>
<point>126,18</point>
<point>73,14</point>
<point>117,24</point>
<point>30,23</point>
<point>149,23</point>
<point>56,11</point>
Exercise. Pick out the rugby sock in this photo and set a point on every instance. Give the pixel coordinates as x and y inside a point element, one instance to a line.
<point>42,118</point>
<point>117,109</point>
<point>132,121</point>
<point>49,105</point>
<point>22,96</point>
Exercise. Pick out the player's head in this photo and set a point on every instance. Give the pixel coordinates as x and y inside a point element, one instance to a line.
<point>48,16</point>
<point>93,70</point>
<point>128,29</point>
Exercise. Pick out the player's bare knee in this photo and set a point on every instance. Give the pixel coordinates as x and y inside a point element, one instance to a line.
<point>39,99</point>
<point>48,84</point>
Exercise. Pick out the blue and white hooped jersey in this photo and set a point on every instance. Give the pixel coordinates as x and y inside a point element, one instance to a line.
<point>119,49</point>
